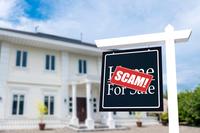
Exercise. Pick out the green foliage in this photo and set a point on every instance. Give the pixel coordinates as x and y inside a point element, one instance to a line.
<point>164,117</point>
<point>42,110</point>
<point>138,116</point>
<point>189,106</point>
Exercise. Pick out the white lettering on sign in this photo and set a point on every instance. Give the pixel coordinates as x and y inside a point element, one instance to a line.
<point>121,91</point>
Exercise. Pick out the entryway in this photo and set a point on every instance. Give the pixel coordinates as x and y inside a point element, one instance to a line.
<point>81,109</point>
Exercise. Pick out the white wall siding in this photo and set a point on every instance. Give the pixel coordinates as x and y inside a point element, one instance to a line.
<point>34,82</point>
<point>92,68</point>
<point>63,92</point>
<point>4,64</point>
<point>35,72</point>
<point>33,96</point>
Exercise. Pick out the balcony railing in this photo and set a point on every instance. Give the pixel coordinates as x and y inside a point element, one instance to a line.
<point>82,78</point>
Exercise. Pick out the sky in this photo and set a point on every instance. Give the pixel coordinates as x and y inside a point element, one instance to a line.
<point>97,19</point>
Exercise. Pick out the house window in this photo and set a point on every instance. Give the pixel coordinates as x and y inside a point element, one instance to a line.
<point>70,99</point>
<point>70,110</point>
<point>21,58</point>
<point>82,66</point>
<point>50,62</point>
<point>49,103</point>
<point>94,100</point>
<point>70,104</point>
<point>18,105</point>
<point>94,105</point>
<point>131,113</point>
<point>115,113</point>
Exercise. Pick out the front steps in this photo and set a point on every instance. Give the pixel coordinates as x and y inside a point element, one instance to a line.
<point>98,127</point>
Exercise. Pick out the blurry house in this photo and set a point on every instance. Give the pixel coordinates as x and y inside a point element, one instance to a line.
<point>63,73</point>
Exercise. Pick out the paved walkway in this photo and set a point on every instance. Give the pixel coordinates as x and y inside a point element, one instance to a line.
<point>145,129</point>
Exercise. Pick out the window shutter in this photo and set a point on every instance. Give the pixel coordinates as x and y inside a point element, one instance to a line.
<point>24,59</point>
<point>51,105</point>
<point>85,66</point>
<point>14,105</point>
<point>52,62</point>
<point>21,105</point>
<point>18,58</point>
<point>80,66</point>
<point>47,62</point>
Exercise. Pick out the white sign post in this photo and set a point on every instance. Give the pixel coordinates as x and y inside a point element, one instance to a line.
<point>169,37</point>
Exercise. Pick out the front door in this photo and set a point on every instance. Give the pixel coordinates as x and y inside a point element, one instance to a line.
<point>81,109</point>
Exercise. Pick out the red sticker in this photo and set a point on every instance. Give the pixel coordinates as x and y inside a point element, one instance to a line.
<point>131,79</point>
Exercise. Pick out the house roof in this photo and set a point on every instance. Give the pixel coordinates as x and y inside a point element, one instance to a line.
<point>51,37</point>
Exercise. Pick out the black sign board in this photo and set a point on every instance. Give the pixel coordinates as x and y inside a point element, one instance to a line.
<point>118,98</point>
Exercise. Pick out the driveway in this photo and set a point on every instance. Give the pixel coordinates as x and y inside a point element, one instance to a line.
<point>145,129</point>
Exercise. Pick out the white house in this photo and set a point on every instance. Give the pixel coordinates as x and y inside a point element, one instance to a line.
<point>63,73</point>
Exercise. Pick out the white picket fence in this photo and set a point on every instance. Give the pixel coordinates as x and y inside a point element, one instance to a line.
<point>56,123</point>
<point>30,123</point>
<point>131,122</point>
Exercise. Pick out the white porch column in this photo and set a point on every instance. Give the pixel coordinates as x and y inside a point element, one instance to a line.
<point>74,120</point>
<point>99,65</point>
<point>110,121</point>
<point>89,121</point>
<point>4,70</point>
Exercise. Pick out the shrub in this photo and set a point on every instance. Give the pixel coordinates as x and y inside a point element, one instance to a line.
<point>189,106</point>
<point>42,111</point>
<point>164,117</point>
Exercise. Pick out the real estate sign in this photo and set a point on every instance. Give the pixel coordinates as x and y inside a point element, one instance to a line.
<point>116,95</point>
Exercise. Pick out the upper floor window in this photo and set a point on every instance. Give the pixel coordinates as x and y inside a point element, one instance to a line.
<point>18,104</point>
<point>21,58</point>
<point>82,66</point>
<point>50,62</point>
